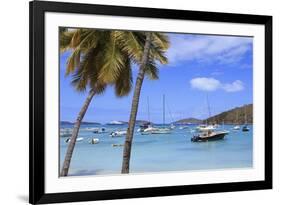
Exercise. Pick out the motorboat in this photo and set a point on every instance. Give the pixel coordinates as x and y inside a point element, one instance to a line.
<point>163,130</point>
<point>99,130</point>
<point>209,136</point>
<point>118,133</point>
<point>183,127</point>
<point>94,141</point>
<point>245,128</point>
<point>237,127</point>
<point>79,139</point>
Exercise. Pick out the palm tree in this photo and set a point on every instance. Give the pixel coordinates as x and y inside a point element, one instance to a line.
<point>102,64</point>
<point>155,46</point>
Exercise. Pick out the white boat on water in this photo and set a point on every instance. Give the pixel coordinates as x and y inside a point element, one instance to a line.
<point>79,139</point>
<point>118,133</point>
<point>203,128</point>
<point>163,130</point>
<point>237,127</point>
<point>94,141</point>
<point>96,130</point>
<point>183,127</point>
<point>172,126</point>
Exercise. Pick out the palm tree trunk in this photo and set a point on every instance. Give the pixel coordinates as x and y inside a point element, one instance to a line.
<point>72,142</point>
<point>134,108</point>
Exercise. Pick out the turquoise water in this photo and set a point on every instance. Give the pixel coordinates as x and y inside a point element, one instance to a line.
<point>156,153</point>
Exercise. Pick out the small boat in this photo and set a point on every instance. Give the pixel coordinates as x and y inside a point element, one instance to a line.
<point>149,130</point>
<point>94,141</point>
<point>144,127</point>
<point>237,127</point>
<point>172,126</point>
<point>184,127</point>
<point>163,130</point>
<point>209,136</point>
<point>118,133</point>
<point>99,130</point>
<point>79,139</point>
<point>245,128</point>
<point>117,145</point>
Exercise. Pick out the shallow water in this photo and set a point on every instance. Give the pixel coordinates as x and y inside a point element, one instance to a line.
<point>161,152</point>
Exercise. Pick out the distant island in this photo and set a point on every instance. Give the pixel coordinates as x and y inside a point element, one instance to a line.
<point>83,123</point>
<point>188,121</point>
<point>236,115</point>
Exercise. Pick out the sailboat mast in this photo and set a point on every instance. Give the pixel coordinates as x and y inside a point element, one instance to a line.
<point>209,109</point>
<point>148,111</point>
<point>237,117</point>
<point>163,109</point>
<point>245,115</point>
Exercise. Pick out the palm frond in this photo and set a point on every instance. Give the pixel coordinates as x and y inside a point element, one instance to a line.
<point>158,54</point>
<point>73,61</point>
<point>113,61</point>
<point>65,38</point>
<point>75,39</point>
<point>160,40</point>
<point>132,43</point>
<point>152,72</point>
<point>123,84</point>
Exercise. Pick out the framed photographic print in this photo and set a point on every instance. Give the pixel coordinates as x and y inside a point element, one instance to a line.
<point>139,102</point>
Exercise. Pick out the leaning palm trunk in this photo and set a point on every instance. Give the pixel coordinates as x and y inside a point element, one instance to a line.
<point>72,142</point>
<point>134,108</point>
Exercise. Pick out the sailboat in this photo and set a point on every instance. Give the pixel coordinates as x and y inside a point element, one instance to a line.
<point>162,130</point>
<point>245,128</point>
<point>236,127</point>
<point>146,128</point>
<point>208,133</point>
<point>206,127</point>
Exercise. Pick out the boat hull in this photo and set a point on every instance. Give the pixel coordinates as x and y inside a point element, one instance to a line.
<point>215,137</point>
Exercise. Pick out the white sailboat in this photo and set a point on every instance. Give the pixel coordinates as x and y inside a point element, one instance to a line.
<point>236,127</point>
<point>162,130</point>
<point>147,128</point>
<point>206,127</point>
<point>245,128</point>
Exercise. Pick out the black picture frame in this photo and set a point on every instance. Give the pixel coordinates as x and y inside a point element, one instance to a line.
<point>37,193</point>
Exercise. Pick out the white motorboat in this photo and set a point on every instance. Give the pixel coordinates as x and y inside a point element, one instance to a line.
<point>118,133</point>
<point>183,127</point>
<point>161,131</point>
<point>79,139</point>
<point>236,127</point>
<point>94,141</point>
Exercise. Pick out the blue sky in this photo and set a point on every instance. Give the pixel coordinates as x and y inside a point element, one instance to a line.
<point>199,65</point>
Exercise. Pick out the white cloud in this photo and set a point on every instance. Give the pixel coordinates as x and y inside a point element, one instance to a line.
<point>222,49</point>
<point>206,84</point>
<point>237,85</point>
<point>212,84</point>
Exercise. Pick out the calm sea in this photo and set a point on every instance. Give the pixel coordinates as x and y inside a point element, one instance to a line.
<point>161,152</point>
